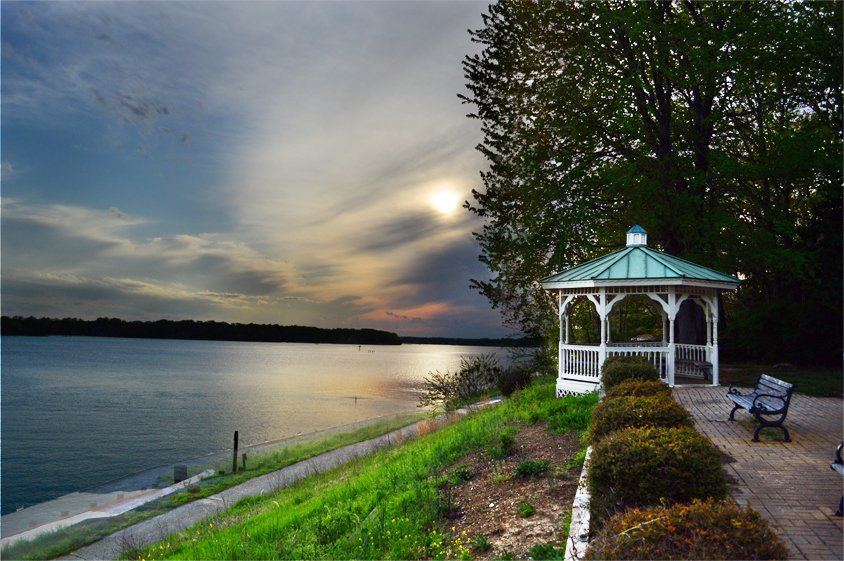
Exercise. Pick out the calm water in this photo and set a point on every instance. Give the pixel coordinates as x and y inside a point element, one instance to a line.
<point>80,411</point>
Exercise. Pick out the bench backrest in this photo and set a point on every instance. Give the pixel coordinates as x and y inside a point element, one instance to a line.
<point>774,386</point>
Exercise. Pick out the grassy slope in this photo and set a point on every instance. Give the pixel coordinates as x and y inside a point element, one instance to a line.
<point>386,506</point>
<point>64,541</point>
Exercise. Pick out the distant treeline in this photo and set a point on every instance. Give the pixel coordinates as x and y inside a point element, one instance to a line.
<point>508,342</point>
<point>189,329</point>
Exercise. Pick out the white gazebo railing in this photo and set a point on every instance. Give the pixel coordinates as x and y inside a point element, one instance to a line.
<point>656,355</point>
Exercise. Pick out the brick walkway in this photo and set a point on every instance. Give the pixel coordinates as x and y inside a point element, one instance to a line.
<point>790,484</point>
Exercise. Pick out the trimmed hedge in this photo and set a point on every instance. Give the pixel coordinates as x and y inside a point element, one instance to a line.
<point>709,529</point>
<point>611,415</point>
<point>617,369</point>
<point>642,467</point>
<point>638,388</point>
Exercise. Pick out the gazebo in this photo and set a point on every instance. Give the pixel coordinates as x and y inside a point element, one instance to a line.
<point>667,280</point>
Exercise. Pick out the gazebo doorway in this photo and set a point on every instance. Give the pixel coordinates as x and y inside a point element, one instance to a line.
<point>673,288</point>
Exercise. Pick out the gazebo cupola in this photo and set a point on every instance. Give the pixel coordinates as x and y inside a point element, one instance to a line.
<point>667,280</point>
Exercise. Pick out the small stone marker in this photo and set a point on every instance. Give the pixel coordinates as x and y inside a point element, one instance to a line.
<point>244,462</point>
<point>180,473</point>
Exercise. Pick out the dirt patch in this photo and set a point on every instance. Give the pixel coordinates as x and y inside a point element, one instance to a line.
<point>489,503</point>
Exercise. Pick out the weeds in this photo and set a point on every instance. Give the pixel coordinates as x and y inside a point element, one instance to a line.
<point>526,510</point>
<point>531,468</point>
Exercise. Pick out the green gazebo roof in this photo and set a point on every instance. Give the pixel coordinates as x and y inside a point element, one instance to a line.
<point>637,262</point>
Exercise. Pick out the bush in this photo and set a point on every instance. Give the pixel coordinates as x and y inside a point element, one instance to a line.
<point>531,468</point>
<point>638,388</point>
<point>476,375</point>
<point>702,530</point>
<point>611,415</point>
<point>641,467</point>
<point>526,509</point>
<point>503,446</point>
<point>514,378</point>
<point>547,552</point>
<point>617,369</point>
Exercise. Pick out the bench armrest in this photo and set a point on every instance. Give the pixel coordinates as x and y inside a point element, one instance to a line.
<point>755,399</point>
<point>838,453</point>
<point>733,389</point>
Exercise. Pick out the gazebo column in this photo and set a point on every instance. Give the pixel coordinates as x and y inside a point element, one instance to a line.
<point>714,354</point>
<point>672,349</point>
<point>602,313</point>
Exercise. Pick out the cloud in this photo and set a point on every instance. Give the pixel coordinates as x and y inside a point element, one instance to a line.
<point>303,143</point>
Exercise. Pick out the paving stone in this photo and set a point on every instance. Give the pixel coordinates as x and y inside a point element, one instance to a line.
<point>790,484</point>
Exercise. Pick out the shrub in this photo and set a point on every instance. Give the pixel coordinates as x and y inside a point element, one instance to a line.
<point>476,375</point>
<point>461,475</point>
<point>641,467</point>
<point>531,468</point>
<point>504,445</point>
<point>617,369</point>
<point>638,388</point>
<point>611,415</point>
<point>514,378</point>
<point>482,543</point>
<point>547,552</point>
<point>526,509</point>
<point>701,530</point>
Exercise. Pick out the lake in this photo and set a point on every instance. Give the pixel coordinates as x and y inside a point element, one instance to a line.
<point>80,411</point>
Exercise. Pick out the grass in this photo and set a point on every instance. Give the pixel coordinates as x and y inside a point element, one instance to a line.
<point>64,541</point>
<point>817,381</point>
<point>386,506</point>
<point>526,510</point>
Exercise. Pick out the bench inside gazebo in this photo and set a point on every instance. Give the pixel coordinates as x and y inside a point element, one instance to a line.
<point>673,284</point>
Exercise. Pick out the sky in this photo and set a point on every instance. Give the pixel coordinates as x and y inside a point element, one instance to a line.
<point>276,162</point>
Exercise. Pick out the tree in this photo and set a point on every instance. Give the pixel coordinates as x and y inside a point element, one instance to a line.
<point>717,126</point>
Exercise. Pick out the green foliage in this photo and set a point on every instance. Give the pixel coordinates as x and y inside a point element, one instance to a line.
<point>384,506</point>
<point>482,544</point>
<point>451,390</point>
<point>619,369</point>
<point>645,466</point>
<point>611,415</point>
<point>547,552</point>
<point>637,388</point>
<point>514,378</point>
<point>692,119</point>
<point>708,529</point>
<point>526,510</point>
<point>506,556</point>
<point>531,468</point>
<point>504,444</point>
<point>461,475</point>
<point>565,414</point>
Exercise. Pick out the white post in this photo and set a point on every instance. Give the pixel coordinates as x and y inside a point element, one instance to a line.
<point>708,309</point>
<point>714,359</point>
<point>560,342</point>
<point>672,313</point>
<point>602,313</point>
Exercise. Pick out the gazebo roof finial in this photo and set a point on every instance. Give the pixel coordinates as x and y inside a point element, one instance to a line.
<point>637,236</point>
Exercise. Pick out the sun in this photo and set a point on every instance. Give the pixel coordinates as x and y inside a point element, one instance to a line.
<point>445,202</point>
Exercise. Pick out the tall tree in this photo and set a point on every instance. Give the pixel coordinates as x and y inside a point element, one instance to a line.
<point>717,126</point>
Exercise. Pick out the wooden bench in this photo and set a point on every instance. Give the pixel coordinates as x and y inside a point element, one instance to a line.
<point>838,465</point>
<point>770,398</point>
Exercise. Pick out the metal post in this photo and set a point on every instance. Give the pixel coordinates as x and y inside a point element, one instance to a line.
<point>234,454</point>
